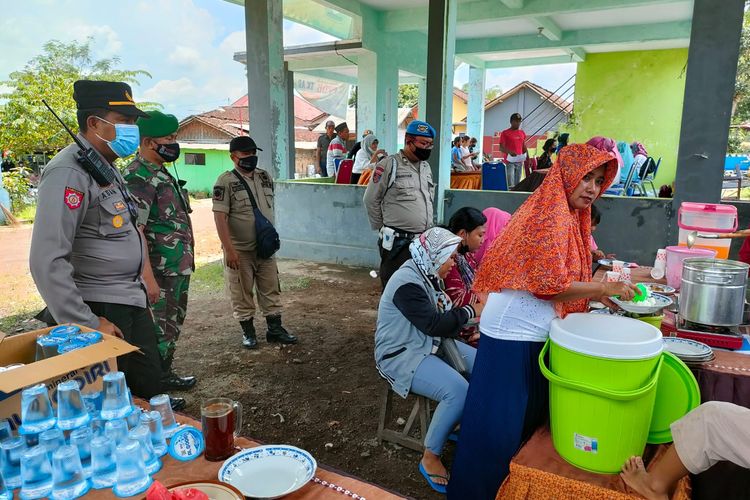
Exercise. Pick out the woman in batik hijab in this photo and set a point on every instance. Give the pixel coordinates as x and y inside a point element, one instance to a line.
<point>414,317</point>
<point>538,269</point>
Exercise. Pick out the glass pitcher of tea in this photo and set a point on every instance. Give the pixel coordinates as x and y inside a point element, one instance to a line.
<point>221,419</point>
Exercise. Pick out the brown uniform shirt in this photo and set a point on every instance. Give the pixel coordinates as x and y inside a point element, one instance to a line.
<point>231,198</point>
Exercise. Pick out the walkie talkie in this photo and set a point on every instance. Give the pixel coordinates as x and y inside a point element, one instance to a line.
<point>88,158</point>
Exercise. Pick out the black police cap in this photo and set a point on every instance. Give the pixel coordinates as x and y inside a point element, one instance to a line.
<point>243,144</point>
<point>115,96</point>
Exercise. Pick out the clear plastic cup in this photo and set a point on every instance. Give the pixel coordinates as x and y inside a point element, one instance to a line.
<point>93,401</point>
<point>12,449</point>
<point>97,425</point>
<point>162,404</point>
<point>71,412</point>
<point>5,430</point>
<point>143,435</point>
<point>68,481</point>
<point>116,402</point>
<point>81,439</point>
<point>36,410</point>
<point>116,430</point>
<point>50,440</point>
<point>103,467</point>
<point>134,419</point>
<point>5,493</point>
<point>152,419</point>
<point>36,474</point>
<point>132,477</point>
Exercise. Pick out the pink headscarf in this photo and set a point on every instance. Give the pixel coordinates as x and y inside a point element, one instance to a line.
<point>609,146</point>
<point>496,222</point>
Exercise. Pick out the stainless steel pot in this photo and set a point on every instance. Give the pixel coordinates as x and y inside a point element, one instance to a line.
<point>713,291</point>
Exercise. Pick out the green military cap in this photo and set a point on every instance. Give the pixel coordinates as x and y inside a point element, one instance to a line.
<point>157,124</point>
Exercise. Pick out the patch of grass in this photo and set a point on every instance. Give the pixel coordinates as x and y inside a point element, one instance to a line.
<point>27,213</point>
<point>10,324</point>
<point>208,277</point>
<point>298,283</point>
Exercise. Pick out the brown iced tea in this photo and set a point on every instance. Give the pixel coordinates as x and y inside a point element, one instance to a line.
<point>220,418</point>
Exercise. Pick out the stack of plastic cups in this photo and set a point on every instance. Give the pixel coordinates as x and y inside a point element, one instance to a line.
<point>81,439</point>
<point>68,481</point>
<point>36,474</point>
<point>12,449</point>
<point>36,410</point>
<point>625,275</point>
<point>134,419</point>
<point>103,467</point>
<point>71,412</point>
<point>143,435</point>
<point>116,431</point>
<point>132,477</point>
<point>152,419</point>
<point>64,331</point>
<point>5,493</point>
<point>660,264</point>
<point>162,404</point>
<point>93,403</point>
<point>46,346</point>
<point>116,402</point>
<point>5,431</point>
<point>612,277</point>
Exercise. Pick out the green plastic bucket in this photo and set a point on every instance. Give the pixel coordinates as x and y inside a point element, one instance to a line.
<point>611,352</point>
<point>598,429</point>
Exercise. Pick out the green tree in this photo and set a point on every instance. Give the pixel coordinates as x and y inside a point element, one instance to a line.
<point>408,95</point>
<point>489,93</point>
<point>741,99</point>
<point>26,126</point>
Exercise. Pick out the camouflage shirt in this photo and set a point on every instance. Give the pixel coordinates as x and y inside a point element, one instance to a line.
<point>163,209</point>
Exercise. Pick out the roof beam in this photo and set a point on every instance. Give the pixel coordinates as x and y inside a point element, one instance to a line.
<point>320,62</point>
<point>491,10</point>
<point>548,27</point>
<point>678,30</point>
<point>472,60</point>
<point>530,61</point>
<point>331,75</point>
<point>327,20</point>
<point>513,4</point>
<point>577,54</point>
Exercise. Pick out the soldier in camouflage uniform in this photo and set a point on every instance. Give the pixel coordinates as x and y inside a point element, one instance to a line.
<point>163,209</point>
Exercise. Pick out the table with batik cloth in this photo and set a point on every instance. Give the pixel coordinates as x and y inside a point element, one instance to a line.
<point>538,472</point>
<point>466,180</point>
<point>326,485</point>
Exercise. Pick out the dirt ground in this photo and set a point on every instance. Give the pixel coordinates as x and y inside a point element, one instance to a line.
<point>321,394</point>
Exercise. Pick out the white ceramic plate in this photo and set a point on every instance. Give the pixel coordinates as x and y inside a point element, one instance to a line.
<point>659,288</point>
<point>270,471</point>
<point>633,307</point>
<point>686,348</point>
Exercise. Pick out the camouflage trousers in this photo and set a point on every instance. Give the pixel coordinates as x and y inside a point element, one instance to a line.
<point>169,311</point>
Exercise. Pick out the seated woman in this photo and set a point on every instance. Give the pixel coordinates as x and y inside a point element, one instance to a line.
<point>496,221</point>
<point>367,155</point>
<point>537,270</point>
<point>544,162</point>
<point>610,146</point>
<point>414,317</point>
<point>469,224</point>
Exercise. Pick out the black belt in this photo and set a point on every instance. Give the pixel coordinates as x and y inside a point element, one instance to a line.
<point>398,233</point>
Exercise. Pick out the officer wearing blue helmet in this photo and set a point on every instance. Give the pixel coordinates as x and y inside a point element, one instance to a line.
<point>399,197</point>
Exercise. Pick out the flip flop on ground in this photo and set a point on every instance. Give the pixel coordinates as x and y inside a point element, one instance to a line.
<point>440,488</point>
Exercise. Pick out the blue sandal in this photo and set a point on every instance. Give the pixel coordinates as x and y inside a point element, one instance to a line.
<point>440,488</point>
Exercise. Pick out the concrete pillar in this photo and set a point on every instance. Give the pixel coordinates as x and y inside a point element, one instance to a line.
<point>267,85</point>
<point>475,115</point>
<point>377,98</point>
<point>422,100</point>
<point>441,40</point>
<point>707,107</point>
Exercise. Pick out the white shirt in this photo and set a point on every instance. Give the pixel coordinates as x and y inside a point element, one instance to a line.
<point>517,315</point>
<point>361,161</point>
<point>466,161</point>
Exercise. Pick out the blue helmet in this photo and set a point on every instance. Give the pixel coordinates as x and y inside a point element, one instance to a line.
<point>420,128</point>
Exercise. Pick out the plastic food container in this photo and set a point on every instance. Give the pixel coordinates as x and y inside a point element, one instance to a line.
<point>677,254</point>
<point>707,218</point>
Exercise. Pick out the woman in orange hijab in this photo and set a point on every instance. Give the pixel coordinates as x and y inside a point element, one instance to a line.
<point>539,269</point>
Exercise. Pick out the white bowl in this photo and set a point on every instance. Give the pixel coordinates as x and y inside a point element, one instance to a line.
<point>270,471</point>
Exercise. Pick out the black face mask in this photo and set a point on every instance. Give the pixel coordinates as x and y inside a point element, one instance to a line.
<point>421,153</point>
<point>168,152</point>
<point>471,149</point>
<point>248,164</point>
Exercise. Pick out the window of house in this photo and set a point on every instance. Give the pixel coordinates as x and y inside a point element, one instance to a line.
<point>195,158</point>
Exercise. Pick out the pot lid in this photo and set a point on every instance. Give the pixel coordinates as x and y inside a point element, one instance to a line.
<point>677,393</point>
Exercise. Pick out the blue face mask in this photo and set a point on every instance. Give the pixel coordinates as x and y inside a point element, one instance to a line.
<point>126,141</point>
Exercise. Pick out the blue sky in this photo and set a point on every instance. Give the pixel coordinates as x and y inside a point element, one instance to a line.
<point>186,45</point>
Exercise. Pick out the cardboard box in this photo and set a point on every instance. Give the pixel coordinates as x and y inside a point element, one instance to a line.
<point>87,366</point>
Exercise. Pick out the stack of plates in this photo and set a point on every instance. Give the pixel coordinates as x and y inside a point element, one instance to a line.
<point>689,351</point>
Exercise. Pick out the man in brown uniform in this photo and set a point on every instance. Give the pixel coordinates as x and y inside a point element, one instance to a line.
<point>235,223</point>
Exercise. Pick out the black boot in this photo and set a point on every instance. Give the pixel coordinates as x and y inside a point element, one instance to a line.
<point>277,333</point>
<point>177,404</point>
<point>171,381</point>
<point>248,331</point>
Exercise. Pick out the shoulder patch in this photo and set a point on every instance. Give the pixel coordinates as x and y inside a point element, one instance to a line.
<point>218,193</point>
<point>377,174</point>
<point>73,198</point>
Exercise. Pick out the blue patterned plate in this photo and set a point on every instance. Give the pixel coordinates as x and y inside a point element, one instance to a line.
<point>270,471</point>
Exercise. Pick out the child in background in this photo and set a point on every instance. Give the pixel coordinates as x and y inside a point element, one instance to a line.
<point>596,253</point>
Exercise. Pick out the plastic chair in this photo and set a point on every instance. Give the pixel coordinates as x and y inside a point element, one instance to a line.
<point>344,174</point>
<point>493,177</point>
<point>623,189</point>
<point>646,176</point>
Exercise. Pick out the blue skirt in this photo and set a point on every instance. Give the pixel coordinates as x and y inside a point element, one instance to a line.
<point>508,400</point>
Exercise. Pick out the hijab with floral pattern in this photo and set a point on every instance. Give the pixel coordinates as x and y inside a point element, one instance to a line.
<point>429,251</point>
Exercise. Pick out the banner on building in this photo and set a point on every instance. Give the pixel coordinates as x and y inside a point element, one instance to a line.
<point>326,95</point>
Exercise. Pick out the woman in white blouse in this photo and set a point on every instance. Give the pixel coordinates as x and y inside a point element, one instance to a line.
<point>368,155</point>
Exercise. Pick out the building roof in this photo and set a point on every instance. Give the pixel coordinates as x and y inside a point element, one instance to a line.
<point>461,94</point>
<point>554,99</point>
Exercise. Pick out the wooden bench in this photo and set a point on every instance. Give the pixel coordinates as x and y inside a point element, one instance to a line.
<point>420,411</point>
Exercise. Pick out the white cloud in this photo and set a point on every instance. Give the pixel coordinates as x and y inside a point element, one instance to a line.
<point>187,57</point>
<point>170,91</point>
<point>298,34</point>
<point>233,42</point>
<point>106,42</point>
